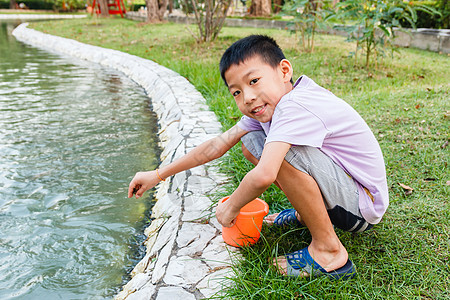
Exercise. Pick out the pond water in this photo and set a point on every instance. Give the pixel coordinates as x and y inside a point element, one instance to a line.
<point>72,135</point>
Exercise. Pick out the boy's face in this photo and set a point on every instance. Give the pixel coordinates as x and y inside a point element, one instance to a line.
<point>257,87</point>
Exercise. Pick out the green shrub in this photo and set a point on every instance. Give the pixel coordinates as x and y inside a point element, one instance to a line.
<point>440,20</point>
<point>4,4</point>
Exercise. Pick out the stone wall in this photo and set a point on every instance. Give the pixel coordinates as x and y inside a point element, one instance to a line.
<point>437,40</point>
<point>186,257</point>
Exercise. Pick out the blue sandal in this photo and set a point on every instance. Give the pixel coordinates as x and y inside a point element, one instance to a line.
<point>287,217</point>
<point>301,260</point>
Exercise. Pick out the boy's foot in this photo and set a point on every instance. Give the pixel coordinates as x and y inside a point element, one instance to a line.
<point>300,263</point>
<point>286,217</point>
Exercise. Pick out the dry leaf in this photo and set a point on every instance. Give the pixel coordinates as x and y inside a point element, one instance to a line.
<point>408,190</point>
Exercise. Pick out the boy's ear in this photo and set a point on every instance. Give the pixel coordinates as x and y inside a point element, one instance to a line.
<point>286,70</point>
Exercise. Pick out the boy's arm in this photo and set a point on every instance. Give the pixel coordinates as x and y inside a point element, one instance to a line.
<point>254,183</point>
<point>203,153</point>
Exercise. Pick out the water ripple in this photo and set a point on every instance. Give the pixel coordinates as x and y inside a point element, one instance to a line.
<point>72,134</point>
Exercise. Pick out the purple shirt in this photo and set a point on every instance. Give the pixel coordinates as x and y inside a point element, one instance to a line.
<point>310,115</point>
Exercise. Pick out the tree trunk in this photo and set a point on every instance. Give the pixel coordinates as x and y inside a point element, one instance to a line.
<point>162,8</point>
<point>104,10</point>
<point>156,10</point>
<point>12,4</point>
<point>261,8</point>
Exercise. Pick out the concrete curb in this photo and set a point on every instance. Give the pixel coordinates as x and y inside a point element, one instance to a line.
<point>186,257</point>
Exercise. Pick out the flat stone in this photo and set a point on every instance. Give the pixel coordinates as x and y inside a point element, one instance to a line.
<point>154,227</point>
<point>168,232</point>
<point>145,293</point>
<point>167,206</point>
<point>196,202</point>
<point>162,188</point>
<point>200,185</point>
<point>215,282</point>
<point>193,238</point>
<point>178,182</point>
<point>216,254</point>
<point>161,262</point>
<point>142,265</point>
<point>167,132</point>
<point>201,216</point>
<point>172,145</point>
<point>216,223</point>
<point>174,293</point>
<point>185,271</point>
<point>198,171</point>
<point>133,285</point>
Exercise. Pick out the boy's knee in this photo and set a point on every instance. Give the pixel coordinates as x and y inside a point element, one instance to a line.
<point>248,155</point>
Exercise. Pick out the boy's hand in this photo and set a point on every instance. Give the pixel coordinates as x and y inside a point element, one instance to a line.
<point>226,213</point>
<point>141,182</point>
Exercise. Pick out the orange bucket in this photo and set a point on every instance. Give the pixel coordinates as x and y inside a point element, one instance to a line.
<point>247,228</point>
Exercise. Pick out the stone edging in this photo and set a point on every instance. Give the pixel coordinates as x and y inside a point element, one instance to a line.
<point>437,40</point>
<point>186,257</point>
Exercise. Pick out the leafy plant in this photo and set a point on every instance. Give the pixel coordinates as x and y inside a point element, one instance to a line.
<point>375,20</point>
<point>308,16</point>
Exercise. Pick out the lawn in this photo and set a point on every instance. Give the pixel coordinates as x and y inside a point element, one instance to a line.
<point>406,103</point>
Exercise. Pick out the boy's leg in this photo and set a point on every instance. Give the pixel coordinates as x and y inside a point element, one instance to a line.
<point>305,196</point>
<point>315,184</point>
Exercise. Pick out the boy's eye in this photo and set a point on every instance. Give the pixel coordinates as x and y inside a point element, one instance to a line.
<point>253,81</point>
<point>236,93</point>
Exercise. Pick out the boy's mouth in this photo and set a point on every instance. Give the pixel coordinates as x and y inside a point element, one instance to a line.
<point>259,110</point>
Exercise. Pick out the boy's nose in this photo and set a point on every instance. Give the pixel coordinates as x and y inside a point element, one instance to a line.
<point>249,97</point>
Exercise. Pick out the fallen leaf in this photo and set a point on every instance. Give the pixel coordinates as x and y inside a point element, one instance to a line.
<point>417,106</point>
<point>389,75</point>
<point>408,190</point>
<point>428,179</point>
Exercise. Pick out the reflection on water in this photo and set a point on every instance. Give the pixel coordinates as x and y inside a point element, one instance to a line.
<point>72,134</point>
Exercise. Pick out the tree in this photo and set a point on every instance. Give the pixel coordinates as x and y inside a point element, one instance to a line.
<point>156,10</point>
<point>104,10</point>
<point>261,8</point>
<point>308,16</point>
<point>12,4</point>
<point>209,16</point>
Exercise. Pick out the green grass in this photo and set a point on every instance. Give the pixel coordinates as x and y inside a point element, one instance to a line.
<point>406,103</point>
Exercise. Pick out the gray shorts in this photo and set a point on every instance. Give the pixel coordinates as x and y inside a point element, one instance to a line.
<point>339,191</point>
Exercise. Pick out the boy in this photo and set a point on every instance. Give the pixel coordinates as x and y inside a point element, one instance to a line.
<point>310,143</point>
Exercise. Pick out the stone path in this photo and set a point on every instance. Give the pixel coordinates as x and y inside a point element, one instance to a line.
<point>186,257</point>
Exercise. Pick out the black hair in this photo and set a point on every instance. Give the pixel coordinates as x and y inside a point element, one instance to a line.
<point>245,48</point>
